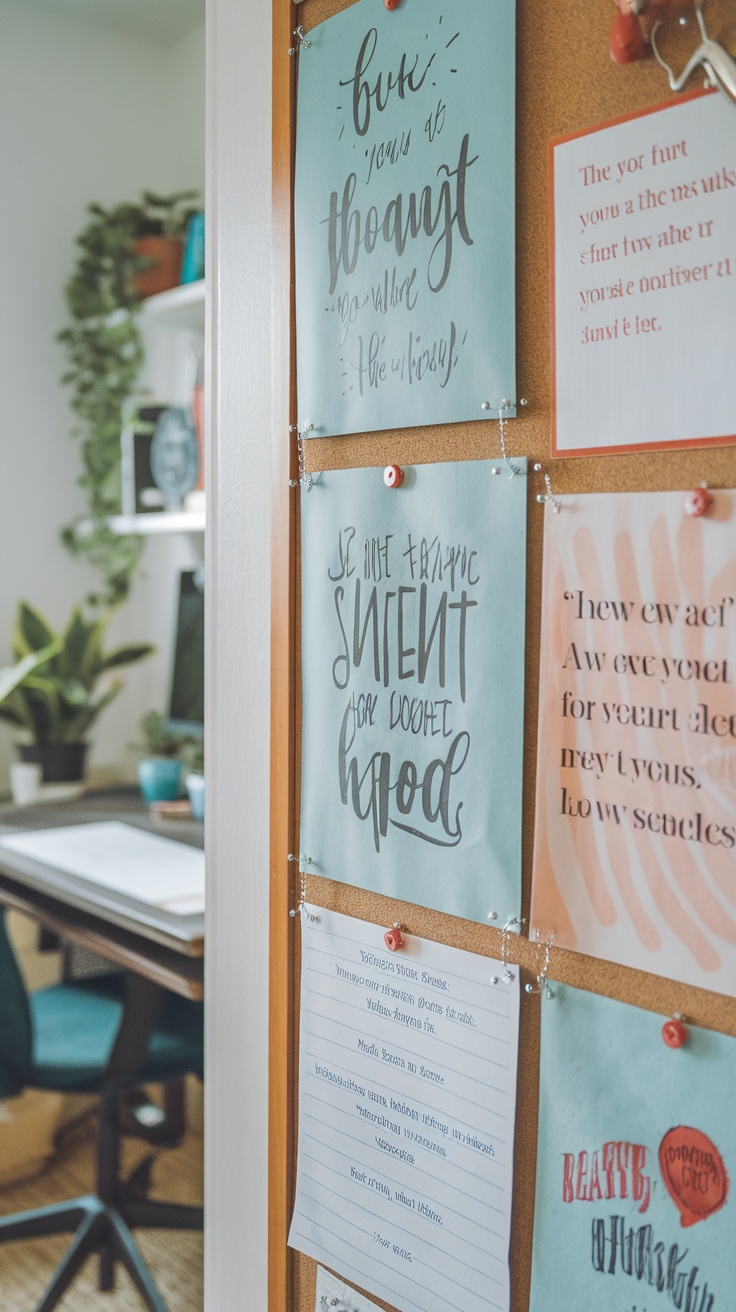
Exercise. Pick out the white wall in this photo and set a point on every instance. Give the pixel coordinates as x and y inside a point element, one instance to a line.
<point>238,556</point>
<point>85,115</point>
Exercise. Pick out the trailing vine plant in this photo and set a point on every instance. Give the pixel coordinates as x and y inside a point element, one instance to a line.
<point>105,353</point>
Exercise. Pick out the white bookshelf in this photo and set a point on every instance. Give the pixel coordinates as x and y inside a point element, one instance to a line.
<point>153,524</point>
<point>181,307</point>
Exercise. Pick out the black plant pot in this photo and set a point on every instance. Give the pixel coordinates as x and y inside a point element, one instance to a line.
<point>62,763</point>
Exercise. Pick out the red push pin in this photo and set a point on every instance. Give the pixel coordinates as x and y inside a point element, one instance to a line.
<point>674,1032</point>
<point>390,4</point>
<point>393,475</point>
<point>392,938</point>
<point>698,502</point>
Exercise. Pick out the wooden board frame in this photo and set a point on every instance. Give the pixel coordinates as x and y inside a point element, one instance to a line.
<point>566,82</point>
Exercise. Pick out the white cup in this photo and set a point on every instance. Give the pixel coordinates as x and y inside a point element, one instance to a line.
<point>25,782</point>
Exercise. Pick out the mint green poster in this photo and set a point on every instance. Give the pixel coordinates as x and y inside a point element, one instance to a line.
<point>413,683</point>
<point>635,1163</point>
<point>404,215</point>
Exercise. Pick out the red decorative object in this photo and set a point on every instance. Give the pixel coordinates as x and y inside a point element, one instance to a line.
<point>674,1033</point>
<point>698,502</point>
<point>390,4</point>
<point>694,1173</point>
<point>393,475</point>
<point>393,940</point>
<point>627,41</point>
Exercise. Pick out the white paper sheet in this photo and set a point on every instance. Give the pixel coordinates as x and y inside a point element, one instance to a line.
<point>148,867</point>
<point>407,1093</point>
<point>334,1296</point>
<point>644,280</point>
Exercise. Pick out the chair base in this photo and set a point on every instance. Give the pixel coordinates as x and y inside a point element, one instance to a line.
<point>100,1228</point>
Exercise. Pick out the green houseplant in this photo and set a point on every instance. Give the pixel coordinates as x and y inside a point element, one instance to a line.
<point>55,702</point>
<point>105,353</point>
<point>159,773</point>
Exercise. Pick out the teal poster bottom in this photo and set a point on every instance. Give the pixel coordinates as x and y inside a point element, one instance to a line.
<point>637,1145</point>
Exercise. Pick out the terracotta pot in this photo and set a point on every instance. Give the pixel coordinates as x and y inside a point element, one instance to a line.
<point>164,271</point>
<point>61,762</point>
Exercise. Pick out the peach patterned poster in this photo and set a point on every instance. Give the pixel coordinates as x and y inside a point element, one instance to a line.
<point>635,843</point>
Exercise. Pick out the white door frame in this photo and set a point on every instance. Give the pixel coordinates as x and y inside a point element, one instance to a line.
<point>238,209</point>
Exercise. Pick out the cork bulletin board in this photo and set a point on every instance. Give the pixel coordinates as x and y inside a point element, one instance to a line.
<point>566,82</point>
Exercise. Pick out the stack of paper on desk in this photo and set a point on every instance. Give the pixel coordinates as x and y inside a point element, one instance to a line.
<point>152,869</point>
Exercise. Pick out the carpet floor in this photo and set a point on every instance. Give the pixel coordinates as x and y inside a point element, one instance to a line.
<point>174,1258</point>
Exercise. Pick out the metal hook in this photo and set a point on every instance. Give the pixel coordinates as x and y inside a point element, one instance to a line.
<point>508,974</point>
<point>304,479</point>
<point>718,64</point>
<point>542,977</point>
<point>502,407</point>
<point>302,41</point>
<point>302,862</point>
<point>549,496</point>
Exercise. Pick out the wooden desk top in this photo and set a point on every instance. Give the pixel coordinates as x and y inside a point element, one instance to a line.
<point>166,948</point>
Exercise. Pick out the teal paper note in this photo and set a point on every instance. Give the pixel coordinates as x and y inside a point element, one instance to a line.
<point>404,215</point>
<point>413,684</point>
<point>637,1142</point>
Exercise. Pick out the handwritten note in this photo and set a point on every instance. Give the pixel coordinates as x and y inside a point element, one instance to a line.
<point>636,1148</point>
<point>407,1092</point>
<point>645,281</point>
<point>404,215</point>
<point>413,696</point>
<point>636,778</point>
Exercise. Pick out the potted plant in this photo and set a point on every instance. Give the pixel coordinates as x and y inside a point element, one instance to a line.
<point>159,241</point>
<point>159,773</point>
<point>105,353</point>
<point>55,701</point>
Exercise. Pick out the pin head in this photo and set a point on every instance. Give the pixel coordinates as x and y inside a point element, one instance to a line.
<point>698,502</point>
<point>674,1032</point>
<point>393,475</point>
<point>393,940</point>
<point>391,4</point>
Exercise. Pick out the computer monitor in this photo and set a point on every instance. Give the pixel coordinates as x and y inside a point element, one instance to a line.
<point>186,705</point>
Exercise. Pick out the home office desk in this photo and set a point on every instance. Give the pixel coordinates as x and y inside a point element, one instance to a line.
<point>164,949</point>
<point>160,953</point>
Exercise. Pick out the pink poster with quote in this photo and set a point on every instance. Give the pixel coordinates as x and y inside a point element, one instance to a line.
<point>635,841</point>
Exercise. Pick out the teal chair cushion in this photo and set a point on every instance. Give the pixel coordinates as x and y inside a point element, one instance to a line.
<point>15,1022</point>
<point>74,1027</point>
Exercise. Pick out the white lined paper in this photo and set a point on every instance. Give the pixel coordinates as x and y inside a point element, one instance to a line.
<point>407,1099</point>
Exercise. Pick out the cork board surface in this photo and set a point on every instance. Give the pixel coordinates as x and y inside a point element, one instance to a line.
<point>566,81</point>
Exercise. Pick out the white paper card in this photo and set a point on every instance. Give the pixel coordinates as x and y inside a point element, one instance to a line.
<point>645,281</point>
<point>148,867</point>
<point>334,1296</point>
<point>407,1093</point>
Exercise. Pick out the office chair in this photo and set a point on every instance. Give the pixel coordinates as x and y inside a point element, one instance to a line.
<point>100,1035</point>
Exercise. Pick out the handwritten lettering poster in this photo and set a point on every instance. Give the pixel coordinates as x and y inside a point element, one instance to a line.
<point>644,281</point>
<point>407,1097</point>
<point>404,215</point>
<point>635,845</point>
<point>413,684</point>
<point>635,1162</point>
